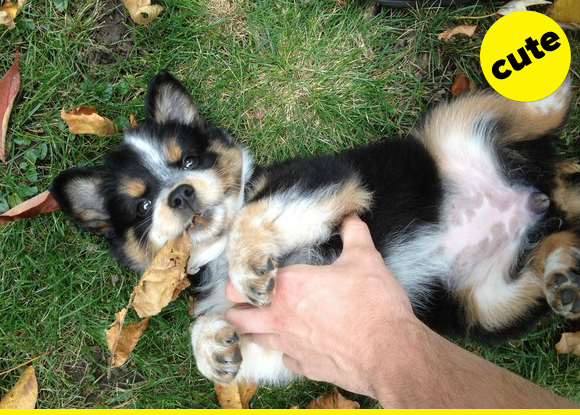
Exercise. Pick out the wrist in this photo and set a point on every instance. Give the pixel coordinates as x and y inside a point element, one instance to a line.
<point>405,379</point>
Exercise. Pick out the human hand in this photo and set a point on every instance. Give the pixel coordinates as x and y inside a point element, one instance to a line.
<point>332,322</point>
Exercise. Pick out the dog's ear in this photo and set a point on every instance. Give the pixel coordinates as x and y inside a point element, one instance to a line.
<point>78,193</point>
<point>168,101</point>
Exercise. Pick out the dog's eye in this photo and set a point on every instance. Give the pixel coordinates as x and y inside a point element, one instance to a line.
<point>190,162</point>
<point>143,207</point>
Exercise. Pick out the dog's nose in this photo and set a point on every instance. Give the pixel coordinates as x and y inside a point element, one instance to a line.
<point>182,197</point>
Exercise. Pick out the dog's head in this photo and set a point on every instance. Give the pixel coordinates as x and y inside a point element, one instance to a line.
<point>172,172</point>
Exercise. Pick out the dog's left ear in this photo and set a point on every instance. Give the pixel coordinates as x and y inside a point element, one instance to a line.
<point>168,101</point>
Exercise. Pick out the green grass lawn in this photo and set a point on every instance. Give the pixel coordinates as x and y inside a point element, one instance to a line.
<point>287,77</point>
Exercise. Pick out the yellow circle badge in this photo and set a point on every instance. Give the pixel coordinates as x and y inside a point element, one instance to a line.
<point>525,56</point>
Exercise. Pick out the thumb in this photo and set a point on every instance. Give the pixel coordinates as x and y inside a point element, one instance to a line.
<point>354,232</point>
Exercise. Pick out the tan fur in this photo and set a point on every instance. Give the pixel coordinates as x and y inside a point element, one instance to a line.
<point>521,121</point>
<point>172,151</point>
<point>258,185</point>
<point>133,187</point>
<point>269,228</point>
<point>229,166</point>
<point>530,284</point>
<point>529,293</point>
<point>561,240</point>
<point>566,196</point>
<point>140,253</point>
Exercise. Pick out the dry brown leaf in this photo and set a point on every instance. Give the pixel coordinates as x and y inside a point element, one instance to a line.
<point>132,120</point>
<point>235,395</point>
<point>122,339</point>
<point>164,279</point>
<point>142,11</point>
<point>9,86</point>
<point>9,11</point>
<point>23,395</point>
<point>461,85</point>
<point>465,30</point>
<point>333,400</point>
<point>565,11</point>
<point>569,344</point>
<point>519,5</point>
<point>85,120</point>
<point>41,203</point>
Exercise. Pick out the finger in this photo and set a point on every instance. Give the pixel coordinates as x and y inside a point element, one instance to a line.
<point>354,232</point>
<point>233,295</point>
<point>292,364</point>
<point>271,341</point>
<point>249,319</point>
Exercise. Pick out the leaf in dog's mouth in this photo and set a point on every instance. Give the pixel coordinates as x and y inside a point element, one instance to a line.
<point>198,220</point>
<point>160,284</point>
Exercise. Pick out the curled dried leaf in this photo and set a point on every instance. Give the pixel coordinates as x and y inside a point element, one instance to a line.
<point>236,395</point>
<point>165,278</point>
<point>142,11</point>
<point>122,339</point>
<point>41,203</point>
<point>23,395</point>
<point>569,344</point>
<point>85,120</point>
<point>132,120</point>
<point>9,11</point>
<point>9,87</point>
<point>464,30</point>
<point>333,400</point>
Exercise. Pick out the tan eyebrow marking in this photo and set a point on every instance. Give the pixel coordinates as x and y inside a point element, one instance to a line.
<point>172,151</point>
<point>133,187</point>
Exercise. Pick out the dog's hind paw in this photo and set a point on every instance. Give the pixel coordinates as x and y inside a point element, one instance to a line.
<point>562,281</point>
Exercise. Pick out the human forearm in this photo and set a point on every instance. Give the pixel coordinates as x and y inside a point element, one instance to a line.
<point>440,374</point>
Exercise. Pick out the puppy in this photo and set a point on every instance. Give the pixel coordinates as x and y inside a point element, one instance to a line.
<point>474,213</point>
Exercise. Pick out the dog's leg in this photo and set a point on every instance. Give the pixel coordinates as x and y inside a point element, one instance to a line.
<point>500,305</point>
<point>216,347</point>
<point>275,225</point>
<point>557,263</point>
<point>222,356</point>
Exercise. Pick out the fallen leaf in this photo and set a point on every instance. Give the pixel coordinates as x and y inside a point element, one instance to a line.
<point>23,395</point>
<point>333,400</point>
<point>132,120</point>
<point>235,395</point>
<point>519,5</point>
<point>142,11</point>
<point>164,279</point>
<point>9,86</point>
<point>9,11</point>
<point>569,344</point>
<point>465,30</point>
<point>122,339</point>
<point>565,11</point>
<point>41,203</point>
<point>85,120</point>
<point>461,85</point>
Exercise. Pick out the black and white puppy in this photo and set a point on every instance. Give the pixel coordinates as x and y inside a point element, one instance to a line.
<point>473,212</point>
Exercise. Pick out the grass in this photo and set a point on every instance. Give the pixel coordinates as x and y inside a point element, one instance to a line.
<point>287,77</point>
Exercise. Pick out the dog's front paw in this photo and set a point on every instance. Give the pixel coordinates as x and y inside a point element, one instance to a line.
<point>255,282</point>
<point>217,349</point>
<point>562,281</point>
